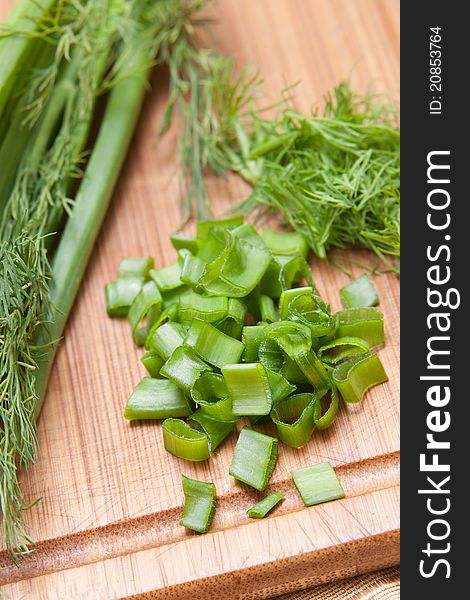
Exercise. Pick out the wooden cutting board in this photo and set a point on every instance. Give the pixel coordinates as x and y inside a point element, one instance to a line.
<point>107,524</point>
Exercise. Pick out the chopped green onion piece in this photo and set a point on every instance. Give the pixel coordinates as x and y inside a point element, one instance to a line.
<point>171,300</point>
<point>314,313</point>
<point>280,387</point>
<point>242,271</point>
<point>249,388</point>
<point>317,484</point>
<point>156,399</point>
<point>166,338</point>
<point>135,267</point>
<point>291,337</point>
<point>205,308</point>
<point>293,270</point>
<point>153,363</point>
<point>232,323</point>
<point>183,441</point>
<point>264,506</point>
<point>208,388</point>
<point>199,504</point>
<point>268,310</point>
<point>252,336</point>
<point>254,458</point>
<point>121,293</point>
<point>313,369</point>
<point>216,431</point>
<point>184,367</point>
<point>356,375</point>
<point>192,270</point>
<point>282,273</point>
<point>293,418</point>
<point>147,305</point>
<point>288,295</point>
<point>359,293</point>
<point>168,278</point>
<point>210,393</point>
<point>287,243</point>
<point>341,348</point>
<point>212,345</point>
<point>181,242</point>
<point>203,227</point>
<point>324,419</point>
<point>365,323</point>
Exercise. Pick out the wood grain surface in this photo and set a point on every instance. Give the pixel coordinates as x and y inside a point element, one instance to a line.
<point>107,524</point>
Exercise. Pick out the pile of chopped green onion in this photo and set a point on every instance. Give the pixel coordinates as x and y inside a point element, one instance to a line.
<point>236,328</point>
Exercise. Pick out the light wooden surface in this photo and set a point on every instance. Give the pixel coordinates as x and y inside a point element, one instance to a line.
<point>107,524</point>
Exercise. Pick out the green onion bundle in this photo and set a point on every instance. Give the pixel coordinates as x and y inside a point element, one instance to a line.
<point>228,335</point>
<point>58,60</point>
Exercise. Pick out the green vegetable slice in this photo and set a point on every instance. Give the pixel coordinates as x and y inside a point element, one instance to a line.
<point>264,506</point>
<point>153,363</point>
<point>232,323</point>
<point>268,310</point>
<point>121,293</point>
<point>216,431</point>
<point>317,484</point>
<point>146,305</point>
<point>288,295</point>
<point>212,345</point>
<point>249,388</point>
<point>183,441</point>
<point>282,273</point>
<point>341,348</point>
<point>356,375</point>
<point>324,419</point>
<point>286,243</point>
<point>365,323</point>
<point>199,504</point>
<point>311,311</point>
<point>135,267</point>
<point>210,393</point>
<point>184,367</point>
<point>293,418</point>
<point>254,459</point>
<point>280,386</point>
<point>313,369</point>
<point>164,339</point>
<point>204,227</point>
<point>205,308</point>
<point>359,293</point>
<point>156,399</point>
<point>167,278</point>
<point>252,336</point>
<point>183,242</point>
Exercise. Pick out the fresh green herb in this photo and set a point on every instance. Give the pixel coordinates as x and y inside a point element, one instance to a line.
<point>56,58</point>
<point>334,178</point>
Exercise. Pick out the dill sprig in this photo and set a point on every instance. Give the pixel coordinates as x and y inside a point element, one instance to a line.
<point>53,121</point>
<point>333,177</point>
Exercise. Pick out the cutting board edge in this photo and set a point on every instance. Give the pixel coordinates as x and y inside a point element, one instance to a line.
<point>289,574</point>
<point>153,531</point>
